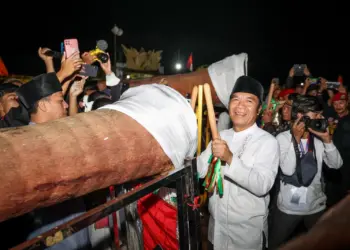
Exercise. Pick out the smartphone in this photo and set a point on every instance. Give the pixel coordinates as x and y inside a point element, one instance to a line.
<point>70,46</point>
<point>314,80</point>
<point>333,85</point>
<point>88,70</point>
<point>299,69</point>
<point>62,47</point>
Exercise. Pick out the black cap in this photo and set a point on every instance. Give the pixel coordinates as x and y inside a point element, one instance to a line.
<point>7,88</point>
<point>247,84</point>
<point>39,87</point>
<point>304,103</point>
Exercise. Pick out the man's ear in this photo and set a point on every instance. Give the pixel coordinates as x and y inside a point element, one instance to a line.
<point>259,109</point>
<point>1,108</point>
<point>42,105</point>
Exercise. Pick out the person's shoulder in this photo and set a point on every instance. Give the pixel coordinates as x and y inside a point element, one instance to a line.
<point>285,136</point>
<point>343,126</point>
<point>345,121</point>
<point>264,139</point>
<point>261,133</point>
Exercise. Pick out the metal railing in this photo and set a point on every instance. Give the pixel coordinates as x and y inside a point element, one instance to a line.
<point>187,189</point>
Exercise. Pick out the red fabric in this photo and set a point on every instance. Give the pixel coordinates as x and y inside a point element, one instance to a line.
<point>340,79</point>
<point>190,62</point>
<point>103,223</point>
<point>285,92</point>
<point>340,96</point>
<point>159,221</point>
<point>3,70</point>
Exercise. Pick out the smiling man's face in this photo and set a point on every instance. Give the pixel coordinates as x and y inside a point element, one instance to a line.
<point>244,109</point>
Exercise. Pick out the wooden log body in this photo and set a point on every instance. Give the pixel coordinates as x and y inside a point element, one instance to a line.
<point>183,83</point>
<point>48,163</point>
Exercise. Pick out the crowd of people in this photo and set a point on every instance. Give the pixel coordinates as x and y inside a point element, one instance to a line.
<point>285,185</point>
<point>48,97</point>
<point>286,157</point>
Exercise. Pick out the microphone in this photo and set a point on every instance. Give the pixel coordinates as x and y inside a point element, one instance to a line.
<point>54,54</point>
<point>102,45</point>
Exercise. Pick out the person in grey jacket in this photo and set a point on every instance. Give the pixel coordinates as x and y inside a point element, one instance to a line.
<point>301,204</point>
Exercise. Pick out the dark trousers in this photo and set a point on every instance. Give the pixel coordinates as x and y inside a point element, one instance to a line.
<point>210,246</point>
<point>284,225</point>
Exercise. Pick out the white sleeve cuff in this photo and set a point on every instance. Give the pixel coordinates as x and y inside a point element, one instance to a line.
<point>112,80</point>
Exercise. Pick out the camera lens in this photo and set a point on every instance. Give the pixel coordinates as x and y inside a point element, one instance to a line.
<point>103,57</point>
<point>319,125</point>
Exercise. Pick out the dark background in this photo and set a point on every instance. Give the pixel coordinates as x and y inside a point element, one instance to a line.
<point>275,34</point>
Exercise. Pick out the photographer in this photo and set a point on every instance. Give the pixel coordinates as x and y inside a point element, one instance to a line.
<point>302,150</point>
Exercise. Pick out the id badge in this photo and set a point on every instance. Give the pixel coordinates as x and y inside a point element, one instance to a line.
<point>295,198</point>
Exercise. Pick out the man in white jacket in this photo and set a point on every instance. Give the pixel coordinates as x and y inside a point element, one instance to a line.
<point>238,218</point>
<point>301,204</point>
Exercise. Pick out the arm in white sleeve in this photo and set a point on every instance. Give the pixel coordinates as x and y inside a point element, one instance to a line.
<point>288,161</point>
<point>331,156</point>
<point>259,178</point>
<point>202,162</point>
<point>112,80</point>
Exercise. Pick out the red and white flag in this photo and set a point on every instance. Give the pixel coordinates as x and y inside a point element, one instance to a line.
<point>190,63</point>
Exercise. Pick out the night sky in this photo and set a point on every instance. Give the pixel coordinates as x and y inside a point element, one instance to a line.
<point>275,34</point>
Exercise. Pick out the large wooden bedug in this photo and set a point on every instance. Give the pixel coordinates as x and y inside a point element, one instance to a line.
<point>48,163</point>
<point>183,83</point>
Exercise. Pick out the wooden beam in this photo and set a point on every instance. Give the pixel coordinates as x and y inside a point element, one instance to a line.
<point>183,83</point>
<point>48,163</point>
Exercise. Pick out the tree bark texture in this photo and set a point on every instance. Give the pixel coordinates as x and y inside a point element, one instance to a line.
<point>183,83</point>
<point>48,163</point>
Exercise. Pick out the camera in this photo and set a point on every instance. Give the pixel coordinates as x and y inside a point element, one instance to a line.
<point>103,57</point>
<point>319,125</point>
<point>99,51</point>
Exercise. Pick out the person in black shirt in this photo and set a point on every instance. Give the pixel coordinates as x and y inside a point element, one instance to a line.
<point>12,113</point>
<point>338,181</point>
